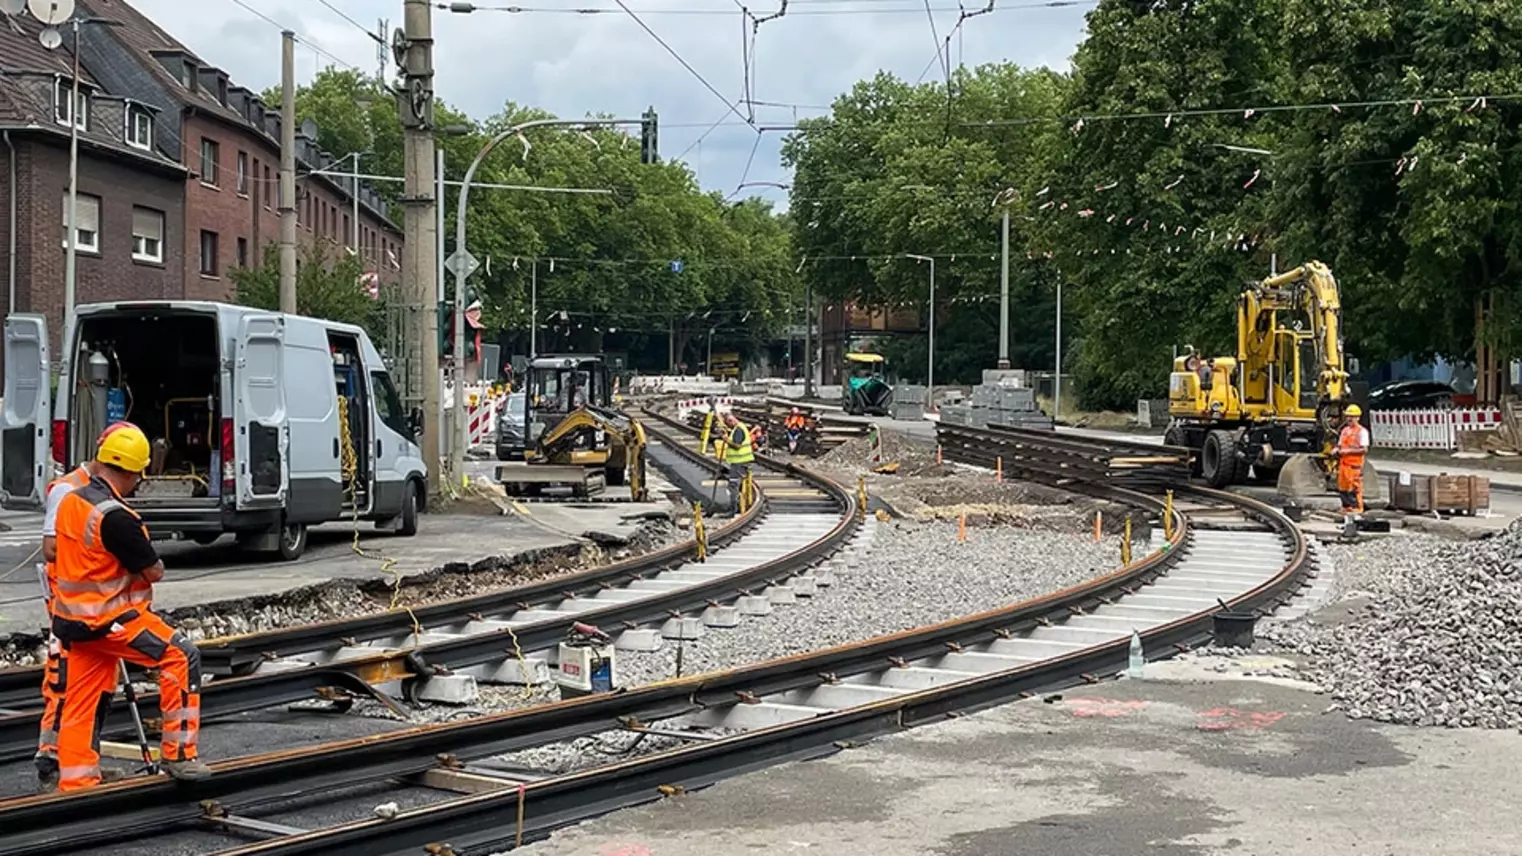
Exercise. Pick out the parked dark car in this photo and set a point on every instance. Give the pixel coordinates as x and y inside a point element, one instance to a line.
<point>510,430</point>
<point>1412,395</point>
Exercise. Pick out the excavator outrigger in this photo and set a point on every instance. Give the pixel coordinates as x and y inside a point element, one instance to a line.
<point>572,436</point>
<point>1275,407</point>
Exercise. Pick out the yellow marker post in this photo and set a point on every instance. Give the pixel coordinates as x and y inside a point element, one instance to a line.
<point>861,497</point>
<point>1168,516</point>
<point>1125,545</point>
<point>699,534</point>
<point>1099,517</point>
<point>999,469</point>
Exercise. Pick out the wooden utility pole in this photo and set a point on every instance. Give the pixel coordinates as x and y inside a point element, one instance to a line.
<point>415,101</point>
<point>288,172</point>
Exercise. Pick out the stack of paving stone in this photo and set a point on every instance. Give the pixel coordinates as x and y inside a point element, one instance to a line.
<point>908,402</point>
<point>1001,399</point>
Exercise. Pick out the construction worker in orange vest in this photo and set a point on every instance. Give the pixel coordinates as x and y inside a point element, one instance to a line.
<point>54,671</point>
<point>103,586</point>
<point>1352,445</point>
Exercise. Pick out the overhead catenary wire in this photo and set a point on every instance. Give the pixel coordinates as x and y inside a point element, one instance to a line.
<point>299,37</point>
<point>874,10</point>
<point>357,25</point>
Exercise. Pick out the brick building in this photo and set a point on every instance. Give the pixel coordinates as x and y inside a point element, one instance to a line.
<point>131,197</point>
<point>229,140</point>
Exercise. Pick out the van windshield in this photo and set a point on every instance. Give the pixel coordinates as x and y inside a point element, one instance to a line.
<point>388,405</point>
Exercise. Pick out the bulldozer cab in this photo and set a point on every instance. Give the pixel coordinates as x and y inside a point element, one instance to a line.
<point>557,386</point>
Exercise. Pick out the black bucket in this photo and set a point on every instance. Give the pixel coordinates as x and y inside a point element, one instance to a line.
<point>1234,629</point>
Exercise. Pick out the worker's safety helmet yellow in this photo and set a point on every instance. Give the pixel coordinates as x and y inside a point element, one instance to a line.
<point>126,448</point>
<point>1353,410</point>
<point>112,429</point>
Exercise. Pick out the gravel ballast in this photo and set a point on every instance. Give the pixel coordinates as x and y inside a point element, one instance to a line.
<point>1427,632</point>
<point>913,575</point>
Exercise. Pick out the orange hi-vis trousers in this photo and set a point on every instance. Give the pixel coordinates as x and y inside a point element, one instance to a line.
<point>54,677</point>
<point>1350,483</point>
<point>140,637</point>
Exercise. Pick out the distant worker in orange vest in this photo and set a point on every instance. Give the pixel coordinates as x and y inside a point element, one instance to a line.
<point>1352,446</point>
<point>103,587</point>
<point>54,670</point>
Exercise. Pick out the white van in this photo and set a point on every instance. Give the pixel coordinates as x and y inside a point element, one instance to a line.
<point>252,415</point>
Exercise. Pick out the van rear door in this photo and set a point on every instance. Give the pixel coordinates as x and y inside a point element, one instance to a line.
<point>26,419</point>
<point>262,439</point>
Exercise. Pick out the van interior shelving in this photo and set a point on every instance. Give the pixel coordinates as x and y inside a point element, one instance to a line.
<point>163,376</point>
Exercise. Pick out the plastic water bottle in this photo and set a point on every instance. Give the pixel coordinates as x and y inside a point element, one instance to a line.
<point>1136,660</point>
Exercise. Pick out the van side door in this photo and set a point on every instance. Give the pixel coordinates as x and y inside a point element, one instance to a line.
<point>395,450</point>
<point>26,419</point>
<point>262,438</point>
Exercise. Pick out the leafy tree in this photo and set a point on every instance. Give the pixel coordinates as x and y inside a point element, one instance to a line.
<point>1413,206</point>
<point>327,285</point>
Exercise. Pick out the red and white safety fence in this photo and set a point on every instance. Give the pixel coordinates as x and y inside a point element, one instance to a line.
<point>721,404</point>
<point>1428,429</point>
<point>483,403</point>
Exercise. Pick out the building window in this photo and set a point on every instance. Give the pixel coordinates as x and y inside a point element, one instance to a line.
<point>139,127</point>
<point>348,230</point>
<point>147,235</point>
<point>211,154</point>
<point>61,112</point>
<point>208,253</point>
<point>86,222</point>
<point>269,187</point>
<point>242,252</point>
<point>243,173</point>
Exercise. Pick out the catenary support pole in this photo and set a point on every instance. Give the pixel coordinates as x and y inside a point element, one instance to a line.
<point>422,278</point>
<point>288,171</point>
<point>808,339</point>
<point>1057,378</point>
<point>533,309</point>
<point>70,259</point>
<point>1004,295</point>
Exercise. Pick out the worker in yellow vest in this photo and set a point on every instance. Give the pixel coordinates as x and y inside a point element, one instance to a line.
<point>734,449</point>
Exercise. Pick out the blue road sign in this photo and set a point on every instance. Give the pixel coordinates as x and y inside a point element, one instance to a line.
<point>676,265</point>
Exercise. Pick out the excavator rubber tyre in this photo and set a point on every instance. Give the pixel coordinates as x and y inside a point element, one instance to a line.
<point>1174,436</point>
<point>1219,462</point>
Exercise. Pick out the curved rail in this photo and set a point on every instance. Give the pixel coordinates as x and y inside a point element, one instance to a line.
<point>483,823</point>
<point>480,635</point>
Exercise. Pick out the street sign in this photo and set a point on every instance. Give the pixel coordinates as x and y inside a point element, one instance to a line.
<point>676,265</point>
<point>461,263</point>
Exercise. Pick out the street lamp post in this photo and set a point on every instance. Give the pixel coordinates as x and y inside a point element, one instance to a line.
<point>930,362</point>
<point>460,429</point>
<point>71,248</point>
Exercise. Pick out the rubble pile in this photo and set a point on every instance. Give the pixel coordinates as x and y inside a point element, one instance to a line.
<point>914,457</point>
<point>1430,633</point>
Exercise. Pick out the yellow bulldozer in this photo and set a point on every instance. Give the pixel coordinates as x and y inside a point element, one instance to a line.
<point>572,436</point>
<point>1274,409</point>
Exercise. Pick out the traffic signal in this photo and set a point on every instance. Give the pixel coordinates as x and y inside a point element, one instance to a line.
<point>446,331</point>
<point>649,145</point>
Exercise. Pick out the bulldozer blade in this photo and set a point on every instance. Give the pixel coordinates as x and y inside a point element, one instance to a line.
<point>1301,476</point>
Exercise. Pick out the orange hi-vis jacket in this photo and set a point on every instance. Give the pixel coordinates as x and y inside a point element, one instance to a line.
<point>77,478</point>
<point>91,588</point>
<point>795,422</point>
<point>1353,444</point>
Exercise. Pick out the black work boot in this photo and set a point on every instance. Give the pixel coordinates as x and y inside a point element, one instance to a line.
<point>47,775</point>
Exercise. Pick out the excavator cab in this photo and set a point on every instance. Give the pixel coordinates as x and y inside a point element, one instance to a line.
<point>568,423</point>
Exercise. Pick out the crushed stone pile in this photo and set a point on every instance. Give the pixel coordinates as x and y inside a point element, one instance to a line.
<point>1429,632</point>
<point>913,456</point>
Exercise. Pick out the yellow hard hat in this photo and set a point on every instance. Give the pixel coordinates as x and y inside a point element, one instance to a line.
<point>1353,410</point>
<point>125,448</point>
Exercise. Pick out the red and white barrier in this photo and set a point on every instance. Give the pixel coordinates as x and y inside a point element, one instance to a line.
<point>722,404</point>
<point>1428,429</point>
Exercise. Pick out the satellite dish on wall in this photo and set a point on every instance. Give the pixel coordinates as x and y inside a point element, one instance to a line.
<point>51,12</point>
<point>50,38</point>
<point>12,7</point>
<point>309,129</point>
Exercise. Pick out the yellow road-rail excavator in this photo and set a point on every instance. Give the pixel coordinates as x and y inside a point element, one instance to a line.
<point>572,436</point>
<point>1274,408</point>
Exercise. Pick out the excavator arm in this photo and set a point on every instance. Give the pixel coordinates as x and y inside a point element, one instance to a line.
<point>624,428</point>
<point>1310,291</point>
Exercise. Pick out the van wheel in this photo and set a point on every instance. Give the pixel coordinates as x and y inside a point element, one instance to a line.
<point>408,525</point>
<point>292,541</point>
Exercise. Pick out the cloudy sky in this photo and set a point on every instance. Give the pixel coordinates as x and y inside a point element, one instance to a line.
<point>558,56</point>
